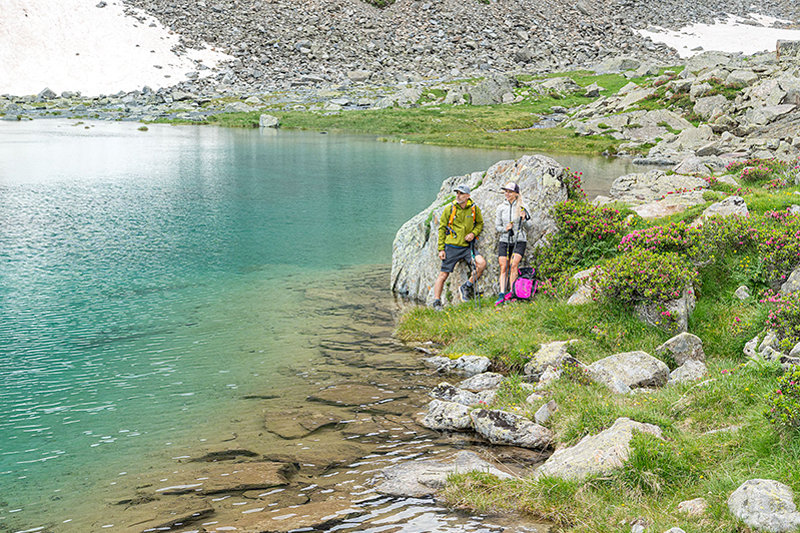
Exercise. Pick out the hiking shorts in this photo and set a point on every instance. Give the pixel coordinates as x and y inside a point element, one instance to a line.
<point>519,248</point>
<point>454,254</point>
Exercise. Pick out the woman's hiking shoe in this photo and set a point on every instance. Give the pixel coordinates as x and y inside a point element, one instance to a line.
<point>467,291</point>
<point>500,298</point>
<point>437,305</point>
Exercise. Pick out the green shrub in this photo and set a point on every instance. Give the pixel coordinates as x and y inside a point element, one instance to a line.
<point>674,237</point>
<point>573,181</point>
<point>784,319</point>
<point>645,276</point>
<point>783,403</point>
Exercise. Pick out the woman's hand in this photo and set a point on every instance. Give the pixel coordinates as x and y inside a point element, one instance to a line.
<point>442,255</point>
<point>509,226</point>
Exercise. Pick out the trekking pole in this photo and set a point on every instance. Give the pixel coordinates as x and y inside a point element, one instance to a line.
<point>474,269</point>
<point>509,253</point>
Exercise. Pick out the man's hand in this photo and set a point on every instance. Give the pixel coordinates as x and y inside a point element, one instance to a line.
<point>442,255</point>
<point>470,237</point>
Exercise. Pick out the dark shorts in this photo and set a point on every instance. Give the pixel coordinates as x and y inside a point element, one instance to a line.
<point>454,254</point>
<point>519,248</point>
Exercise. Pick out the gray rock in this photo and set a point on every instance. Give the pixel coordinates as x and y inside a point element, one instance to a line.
<point>770,340</point>
<point>544,413</point>
<point>742,293</point>
<point>617,64</point>
<point>415,263</point>
<point>45,94</point>
<point>446,392</point>
<point>795,350</point>
<point>584,293</point>
<point>634,369</point>
<point>741,77</point>
<point>500,427</point>
<point>447,416</point>
<point>730,206</point>
<point>751,347</point>
<point>359,75</point>
<point>550,375</point>
<point>595,454</point>
<point>675,530</point>
<point>549,355</point>
<point>439,363</point>
<point>268,121</point>
<point>418,479</point>
<point>592,91</point>
<point>650,186</point>
<point>792,284</point>
<point>787,49</point>
<point>711,107</point>
<point>699,89</point>
<point>469,365</point>
<point>761,116</point>
<point>490,91</point>
<point>483,381</point>
<point>679,311</point>
<point>681,348</point>
<point>766,505</point>
<point>695,507</point>
<point>688,372</point>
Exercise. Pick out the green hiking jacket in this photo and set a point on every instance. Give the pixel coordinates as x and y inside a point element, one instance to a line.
<point>462,226</point>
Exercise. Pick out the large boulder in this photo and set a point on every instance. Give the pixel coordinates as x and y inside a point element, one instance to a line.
<point>672,315</point>
<point>447,416</point>
<point>491,90</point>
<point>650,186</point>
<point>595,454</point>
<point>549,355</point>
<point>765,505</point>
<point>501,427</point>
<point>418,479</point>
<point>633,369</point>
<point>681,348</point>
<point>415,262</point>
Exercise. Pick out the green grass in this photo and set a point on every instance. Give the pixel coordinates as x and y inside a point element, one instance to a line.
<point>691,461</point>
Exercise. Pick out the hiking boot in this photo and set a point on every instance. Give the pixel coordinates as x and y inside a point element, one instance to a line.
<point>501,297</point>
<point>437,305</point>
<point>466,292</point>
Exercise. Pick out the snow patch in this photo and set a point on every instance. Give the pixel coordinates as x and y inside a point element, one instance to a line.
<point>73,45</point>
<point>733,34</point>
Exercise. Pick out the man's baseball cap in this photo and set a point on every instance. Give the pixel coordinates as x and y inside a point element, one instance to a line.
<point>462,189</point>
<point>511,186</point>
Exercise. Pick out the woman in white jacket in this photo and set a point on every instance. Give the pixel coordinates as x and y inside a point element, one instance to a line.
<point>512,221</point>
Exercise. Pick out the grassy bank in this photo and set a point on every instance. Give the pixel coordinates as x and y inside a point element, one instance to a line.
<point>718,432</point>
<point>428,121</point>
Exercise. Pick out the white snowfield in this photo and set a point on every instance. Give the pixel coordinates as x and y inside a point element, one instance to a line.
<point>72,45</point>
<point>729,35</point>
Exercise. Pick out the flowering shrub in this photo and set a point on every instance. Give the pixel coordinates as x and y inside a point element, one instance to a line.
<point>784,318</point>
<point>576,373</point>
<point>727,233</point>
<point>674,237</point>
<point>783,404</point>
<point>586,233</point>
<point>779,244</point>
<point>573,181</point>
<point>581,221</point>
<point>760,169</point>
<point>642,275</point>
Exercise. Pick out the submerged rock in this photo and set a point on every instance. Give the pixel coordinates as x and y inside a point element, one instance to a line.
<point>417,479</point>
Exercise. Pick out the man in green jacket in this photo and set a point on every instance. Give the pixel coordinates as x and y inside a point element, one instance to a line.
<point>459,226</point>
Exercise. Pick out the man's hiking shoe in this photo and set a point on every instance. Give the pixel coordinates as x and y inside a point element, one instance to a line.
<point>437,305</point>
<point>466,292</point>
<point>500,299</point>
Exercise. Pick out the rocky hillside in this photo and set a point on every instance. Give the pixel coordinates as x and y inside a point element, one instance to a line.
<point>280,44</point>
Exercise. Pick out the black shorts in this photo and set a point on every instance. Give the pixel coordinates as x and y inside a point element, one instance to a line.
<point>519,248</point>
<point>454,254</point>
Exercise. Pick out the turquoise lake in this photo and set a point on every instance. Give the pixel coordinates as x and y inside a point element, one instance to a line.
<point>151,279</point>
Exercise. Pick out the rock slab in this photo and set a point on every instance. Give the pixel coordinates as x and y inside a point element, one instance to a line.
<point>766,505</point>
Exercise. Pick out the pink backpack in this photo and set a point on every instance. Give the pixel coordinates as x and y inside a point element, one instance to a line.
<point>524,287</point>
